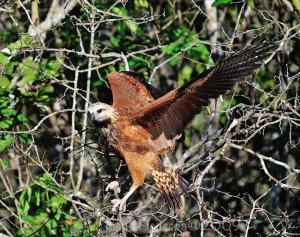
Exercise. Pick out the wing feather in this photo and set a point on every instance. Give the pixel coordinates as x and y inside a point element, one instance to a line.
<point>130,92</point>
<point>166,117</point>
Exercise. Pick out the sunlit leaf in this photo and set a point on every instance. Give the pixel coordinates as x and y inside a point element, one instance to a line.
<point>115,42</point>
<point>130,23</point>
<point>29,77</point>
<point>92,227</point>
<point>3,58</point>
<point>4,163</point>
<point>6,123</point>
<point>296,3</point>
<point>25,230</point>
<point>251,3</point>
<point>4,81</point>
<point>208,109</point>
<point>26,207</point>
<point>6,142</point>
<point>7,112</point>
<point>10,67</point>
<point>141,4</point>
<point>218,3</point>
<point>21,118</point>
<point>185,75</point>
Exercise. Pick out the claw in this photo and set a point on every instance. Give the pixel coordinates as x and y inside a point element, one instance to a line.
<point>118,204</point>
<point>114,185</point>
<point>121,203</point>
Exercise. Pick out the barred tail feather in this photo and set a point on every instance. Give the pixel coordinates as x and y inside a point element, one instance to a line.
<point>183,184</point>
<point>170,184</point>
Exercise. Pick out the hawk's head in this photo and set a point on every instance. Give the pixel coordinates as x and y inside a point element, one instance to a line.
<point>101,113</point>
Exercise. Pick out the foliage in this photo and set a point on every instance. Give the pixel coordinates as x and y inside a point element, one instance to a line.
<point>240,154</point>
<point>218,3</point>
<point>23,81</point>
<point>47,213</point>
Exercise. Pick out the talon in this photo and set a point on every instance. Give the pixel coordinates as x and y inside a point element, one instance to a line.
<point>114,185</point>
<point>118,203</point>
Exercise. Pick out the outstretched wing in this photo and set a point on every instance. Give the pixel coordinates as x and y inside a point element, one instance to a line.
<point>130,92</point>
<point>166,117</point>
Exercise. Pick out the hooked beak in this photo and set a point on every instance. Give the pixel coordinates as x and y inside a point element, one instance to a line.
<point>92,116</point>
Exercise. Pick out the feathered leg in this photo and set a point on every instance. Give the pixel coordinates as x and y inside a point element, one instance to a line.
<point>136,168</point>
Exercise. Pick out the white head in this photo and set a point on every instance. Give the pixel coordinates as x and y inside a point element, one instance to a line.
<point>100,112</point>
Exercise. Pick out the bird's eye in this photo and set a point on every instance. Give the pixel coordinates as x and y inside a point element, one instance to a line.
<point>99,111</point>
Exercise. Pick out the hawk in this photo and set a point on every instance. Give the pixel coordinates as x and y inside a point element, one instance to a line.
<point>142,125</point>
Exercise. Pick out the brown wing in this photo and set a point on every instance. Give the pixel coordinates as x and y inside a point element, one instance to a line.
<point>130,92</point>
<point>166,117</point>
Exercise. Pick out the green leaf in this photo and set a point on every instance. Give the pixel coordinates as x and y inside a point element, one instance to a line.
<point>51,226</point>
<point>38,198</point>
<point>115,42</point>
<point>28,65</point>
<point>47,181</point>
<point>27,231</point>
<point>22,119</point>
<point>4,102</point>
<point>51,68</point>
<point>25,138</point>
<point>173,61</point>
<point>29,69</point>
<point>120,11</point>
<point>37,219</point>
<point>6,123</point>
<point>251,3</point>
<point>297,4</point>
<point>57,216</point>
<point>7,112</point>
<point>46,90</point>
<point>78,225</point>
<point>29,193</point>
<point>28,94</point>
<point>26,207</point>
<point>4,163</point>
<point>57,201</point>
<point>3,58</point>
<point>202,51</point>
<point>44,99</point>
<point>9,68</point>
<point>29,77</point>
<point>208,109</point>
<point>55,65</point>
<point>185,75</point>
<point>6,142</point>
<point>141,4</point>
<point>25,41</point>
<point>22,199</point>
<point>92,227</point>
<point>132,25</point>
<point>218,3</point>
<point>172,48</point>
<point>44,233</point>
<point>4,81</point>
<point>181,31</point>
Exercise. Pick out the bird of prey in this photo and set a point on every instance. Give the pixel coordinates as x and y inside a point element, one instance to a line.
<point>141,125</point>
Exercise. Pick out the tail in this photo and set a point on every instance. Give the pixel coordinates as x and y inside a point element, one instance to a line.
<point>170,184</point>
